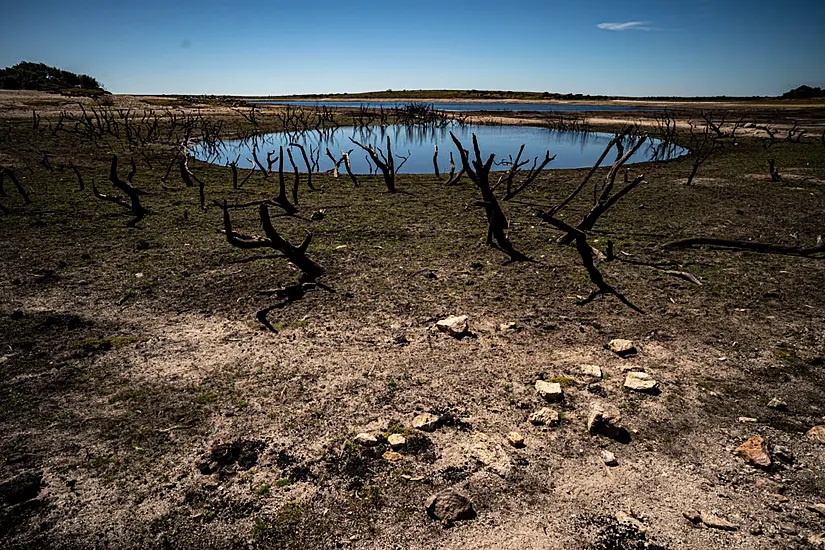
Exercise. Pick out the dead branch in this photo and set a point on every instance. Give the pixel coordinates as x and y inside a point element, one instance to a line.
<point>775,176</point>
<point>586,253</point>
<point>385,163</point>
<point>20,189</point>
<point>79,176</point>
<point>531,175</point>
<point>126,188</point>
<point>497,225</point>
<point>282,200</point>
<point>258,162</point>
<point>435,163</point>
<point>767,248</point>
<point>296,255</point>
<point>297,177</point>
<point>348,166</point>
<point>306,162</point>
<point>589,175</point>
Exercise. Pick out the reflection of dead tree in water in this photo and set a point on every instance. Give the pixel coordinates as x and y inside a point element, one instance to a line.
<point>296,255</point>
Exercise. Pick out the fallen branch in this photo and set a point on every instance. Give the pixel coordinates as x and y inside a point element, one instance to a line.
<point>766,248</point>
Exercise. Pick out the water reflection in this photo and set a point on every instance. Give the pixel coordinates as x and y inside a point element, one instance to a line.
<point>572,149</point>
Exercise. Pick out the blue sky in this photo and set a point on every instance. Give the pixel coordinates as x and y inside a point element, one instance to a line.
<point>629,47</point>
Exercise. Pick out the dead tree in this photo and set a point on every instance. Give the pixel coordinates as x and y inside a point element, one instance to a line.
<point>335,163</point>
<point>270,161</point>
<point>297,177</point>
<point>187,176</point>
<point>585,251</point>
<point>515,168</point>
<point>589,175</point>
<point>385,163</point>
<point>702,145</point>
<point>281,200</point>
<point>348,166</point>
<point>453,178</point>
<point>775,176</point>
<point>20,189</point>
<point>497,225</point>
<point>306,162</point>
<point>818,248</point>
<point>133,204</point>
<point>296,255</point>
<point>258,162</point>
<point>78,174</point>
<point>435,163</point>
<point>605,198</point>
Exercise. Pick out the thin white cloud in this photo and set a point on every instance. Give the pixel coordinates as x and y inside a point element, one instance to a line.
<point>626,26</point>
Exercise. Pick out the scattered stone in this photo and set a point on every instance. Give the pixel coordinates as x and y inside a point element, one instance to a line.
<point>392,456</point>
<point>777,404</point>
<point>515,439</point>
<point>818,508</point>
<point>817,541</point>
<point>490,455</point>
<point>788,529</point>
<point>629,520</point>
<point>545,416</point>
<point>754,452</point>
<point>21,488</point>
<point>549,391</point>
<point>641,382</point>
<point>747,420</point>
<point>816,434</point>
<point>716,522</point>
<point>781,498</point>
<point>450,505</point>
<point>605,419</point>
<point>242,452</point>
<point>621,347</point>
<point>783,453</point>
<point>511,325</point>
<point>592,370</point>
<point>426,422</point>
<point>693,517</point>
<point>396,441</point>
<point>366,440</point>
<point>609,459</point>
<point>454,325</point>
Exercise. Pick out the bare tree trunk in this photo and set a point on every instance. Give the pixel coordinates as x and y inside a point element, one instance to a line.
<point>282,200</point>
<point>306,162</point>
<point>348,166</point>
<point>79,176</point>
<point>497,225</point>
<point>435,163</point>
<point>297,177</point>
<point>18,186</point>
<point>385,163</point>
<point>775,177</point>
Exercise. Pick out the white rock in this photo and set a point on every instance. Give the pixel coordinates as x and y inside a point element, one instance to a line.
<point>396,440</point>
<point>515,439</point>
<point>592,370</point>
<point>621,347</point>
<point>641,382</point>
<point>454,325</point>
<point>367,440</point>
<point>549,391</point>
<point>609,458</point>
<point>426,422</point>
<point>777,404</point>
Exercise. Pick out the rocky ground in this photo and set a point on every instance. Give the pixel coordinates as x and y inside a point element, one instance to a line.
<point>435,395</point>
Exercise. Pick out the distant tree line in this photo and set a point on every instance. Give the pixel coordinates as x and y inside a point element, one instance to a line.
<point>804,92</point>
<point>39,76</point>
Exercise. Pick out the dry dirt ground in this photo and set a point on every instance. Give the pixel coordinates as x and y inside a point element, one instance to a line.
<point>142,406</point>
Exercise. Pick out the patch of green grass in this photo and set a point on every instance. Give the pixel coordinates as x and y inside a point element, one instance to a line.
<point>283,482</point>
<point>263,490</point>
<point>205,398</point>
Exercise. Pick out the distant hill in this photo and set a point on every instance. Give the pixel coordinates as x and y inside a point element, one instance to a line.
<point>804,92</point>
<point>39,76</point>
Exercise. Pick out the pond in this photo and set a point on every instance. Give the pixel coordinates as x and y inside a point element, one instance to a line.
<point>465,106</point>
<point>572,149</point>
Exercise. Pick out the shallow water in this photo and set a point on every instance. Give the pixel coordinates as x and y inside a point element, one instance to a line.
<point>572,149</point>
<point>465,106</point>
